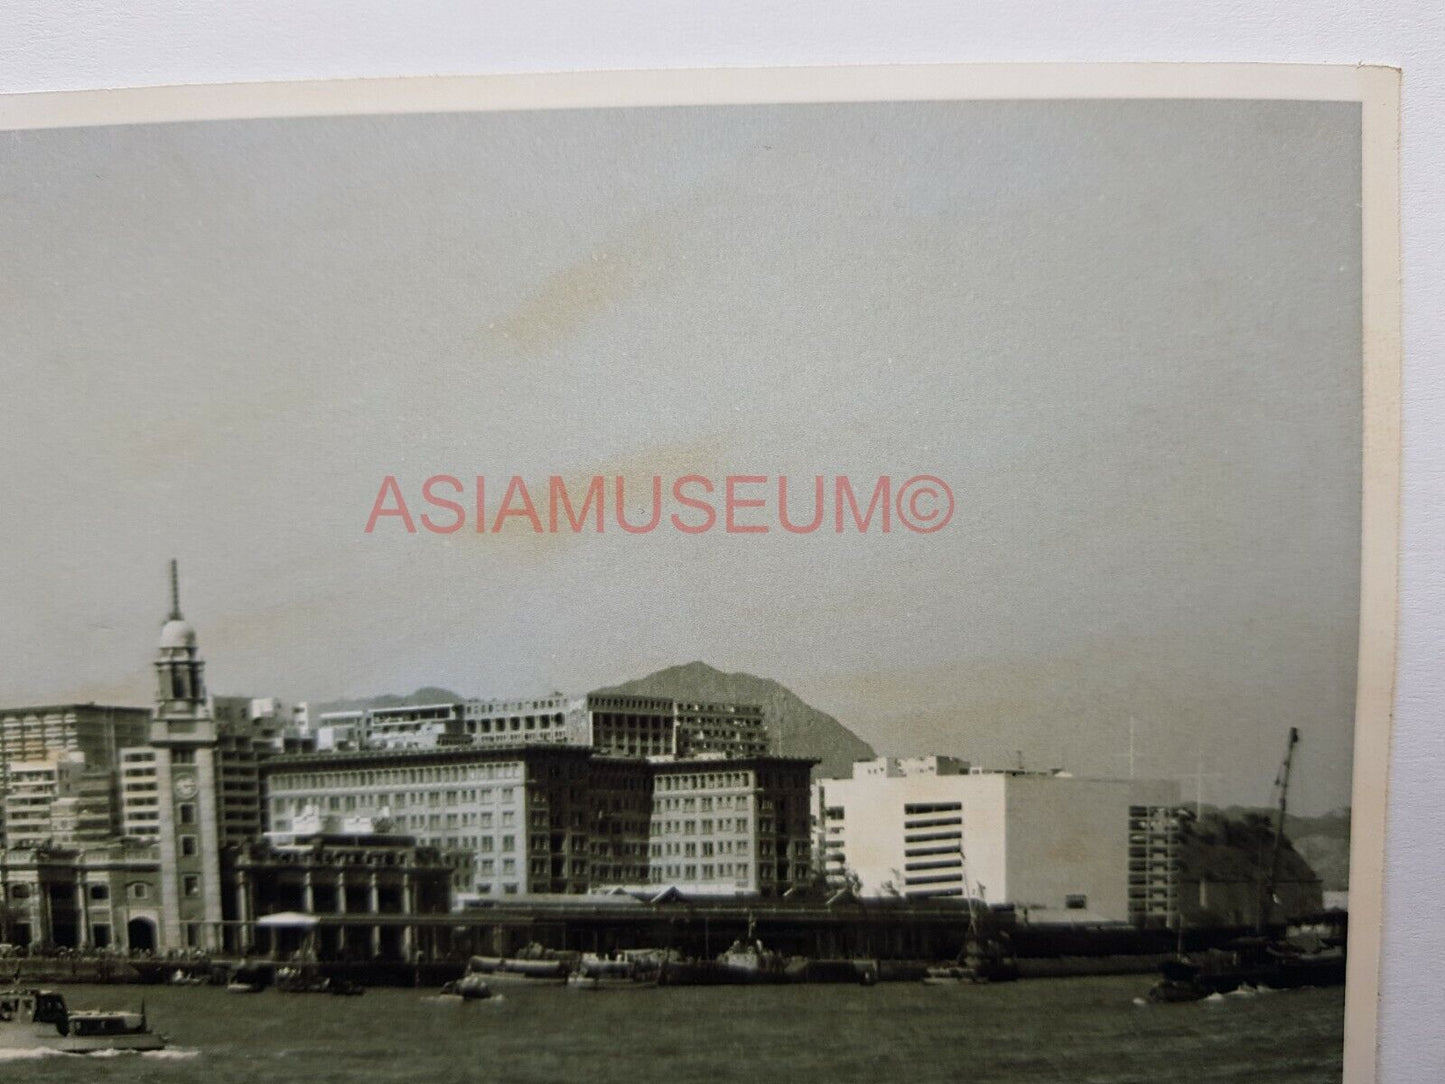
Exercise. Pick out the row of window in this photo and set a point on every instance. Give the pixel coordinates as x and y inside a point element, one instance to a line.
<point>390,777</point>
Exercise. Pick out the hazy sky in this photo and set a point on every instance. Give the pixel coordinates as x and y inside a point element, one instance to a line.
<point>1127,335</point>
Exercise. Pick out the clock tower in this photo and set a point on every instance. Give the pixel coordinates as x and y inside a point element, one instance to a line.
<point>183,737</point>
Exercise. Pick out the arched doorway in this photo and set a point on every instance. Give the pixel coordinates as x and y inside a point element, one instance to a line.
<point>140,935</point>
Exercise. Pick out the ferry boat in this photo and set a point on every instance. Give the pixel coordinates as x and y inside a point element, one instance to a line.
<point>40,1020</point>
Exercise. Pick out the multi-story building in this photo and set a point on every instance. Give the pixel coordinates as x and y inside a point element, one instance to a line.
<point>96,731</point>
<point>411,726</point>
<point>557,818</point>
<point>613,724</point>
<point>59,801</point>
<point>340,730</point>
<point>725,825</point>
<point>555,719</point>
<point>523,813</point>
<point>93,734</point>
<point>735,730</point>
<point>1053,845</point>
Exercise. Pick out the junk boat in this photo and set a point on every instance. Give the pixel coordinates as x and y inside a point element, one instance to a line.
<point>1284,963</point>
<point>40,1020</point>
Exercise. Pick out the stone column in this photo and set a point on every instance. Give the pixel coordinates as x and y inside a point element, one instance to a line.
<point>374,906</point>
<point>82,911</point>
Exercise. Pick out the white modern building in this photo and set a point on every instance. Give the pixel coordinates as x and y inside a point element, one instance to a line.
<point>1057,847</point>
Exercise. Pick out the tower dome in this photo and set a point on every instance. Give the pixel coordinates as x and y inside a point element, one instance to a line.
<point>177,633</point>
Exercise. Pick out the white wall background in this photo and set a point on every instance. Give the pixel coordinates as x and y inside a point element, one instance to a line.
<point>86,44</point>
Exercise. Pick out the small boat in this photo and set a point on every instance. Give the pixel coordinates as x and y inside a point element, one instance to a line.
<point>987,956</point>
<point>625,970</point>
<point>40,1020</point>
<point>469,988</point>
<point>747,962</point>
<point>532,962</point>
<point>248,979</point>
<point>185,978</point>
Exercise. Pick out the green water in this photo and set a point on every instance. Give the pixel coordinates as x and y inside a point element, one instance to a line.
<point>1065,1030</point>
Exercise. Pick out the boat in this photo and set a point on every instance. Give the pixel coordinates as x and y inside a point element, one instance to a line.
<point>33,1019</point>
<point>531,962</point>
<point>248,979</point>
<point>1261,961</point>
<point>1251,963</point>
<point>181,977</point>
<point>747,962</point>
<point>307,979</point>
<point>471,987</point>
<point>626,970</point>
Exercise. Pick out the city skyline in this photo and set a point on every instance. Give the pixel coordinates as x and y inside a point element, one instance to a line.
<point>1126,334</point>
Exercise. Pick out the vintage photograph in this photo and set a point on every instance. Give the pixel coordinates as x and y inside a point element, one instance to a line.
<point>826,586</point>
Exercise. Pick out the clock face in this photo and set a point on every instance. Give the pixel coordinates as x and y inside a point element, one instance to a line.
<point>185,788</point>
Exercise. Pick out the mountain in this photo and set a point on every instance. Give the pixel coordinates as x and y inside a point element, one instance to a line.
<point>1325,844</point>
<point>1322,841</point>
<point>797,728</point>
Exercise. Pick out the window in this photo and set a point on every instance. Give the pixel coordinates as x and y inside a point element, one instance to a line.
<point>100,892</point>
<point>140,891</point>
<point>188,846</point>
<point>187,813</point>
<point>19,892</point>
<point>191,885</point>
<point>1076,902</point>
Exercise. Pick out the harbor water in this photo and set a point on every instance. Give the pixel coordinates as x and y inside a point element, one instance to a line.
<point>1071,1031</point>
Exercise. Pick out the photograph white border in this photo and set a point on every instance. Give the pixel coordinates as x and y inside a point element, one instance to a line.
<point>1376,88</point>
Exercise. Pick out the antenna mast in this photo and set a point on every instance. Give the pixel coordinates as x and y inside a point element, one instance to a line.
<point>175,592</point>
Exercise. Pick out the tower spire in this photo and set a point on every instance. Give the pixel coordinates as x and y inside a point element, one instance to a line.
<point>175,592</point>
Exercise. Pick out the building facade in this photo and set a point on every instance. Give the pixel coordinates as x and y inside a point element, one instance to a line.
<point>59,801</point>
<point>88,734</point>
<point>732,825</point>
<point>1054,846</point>
<point>102,896</point>
<point>557,818</point>
<point>612,724</point>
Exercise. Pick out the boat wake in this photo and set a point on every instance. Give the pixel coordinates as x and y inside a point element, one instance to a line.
<point>170,1054</point>
<point>30,1054</point>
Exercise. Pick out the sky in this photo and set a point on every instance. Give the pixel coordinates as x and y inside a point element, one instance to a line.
<point>1126,334</point>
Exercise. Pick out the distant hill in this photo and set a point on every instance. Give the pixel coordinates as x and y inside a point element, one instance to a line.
<point>797,729</point>
<point>1323,842</point>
